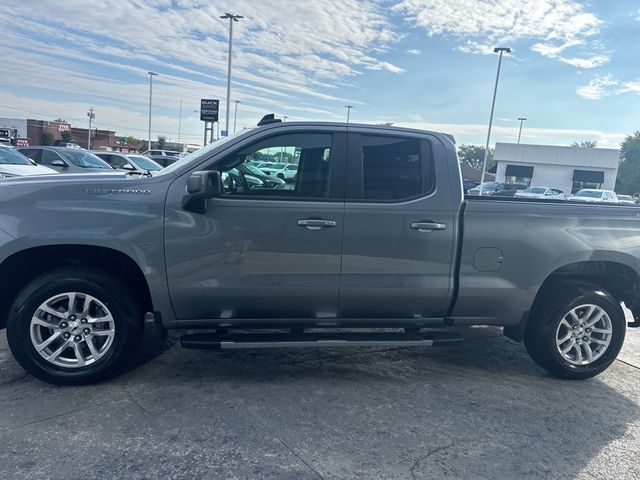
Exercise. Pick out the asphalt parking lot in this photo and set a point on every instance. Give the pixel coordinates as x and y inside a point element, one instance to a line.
<point>477,409</point>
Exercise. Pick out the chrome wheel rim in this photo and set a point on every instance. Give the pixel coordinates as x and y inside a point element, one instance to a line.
<point>72,330</point>
<point>584,334</point>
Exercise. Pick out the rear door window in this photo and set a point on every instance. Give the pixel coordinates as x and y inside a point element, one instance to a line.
<point>32,153</point>
<point>394,168</point>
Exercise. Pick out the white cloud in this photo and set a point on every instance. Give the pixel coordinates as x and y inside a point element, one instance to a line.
<point>597,87</point>
<point>483,24</point>
<point>592,62</point>
<point>414,51</point>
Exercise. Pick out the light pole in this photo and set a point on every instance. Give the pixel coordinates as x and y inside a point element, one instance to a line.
<point>284,118</point>
<point>348,107</point>
<point>232,18</point>
<point>235,115</point>
<point>151,75</point>
<point>500,50</point>
<point>522,119</point>
<point>91,114</point>
<point>180,121</point>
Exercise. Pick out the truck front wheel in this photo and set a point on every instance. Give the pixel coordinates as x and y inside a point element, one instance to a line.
<point>73,326</point>
<point>577,332</point>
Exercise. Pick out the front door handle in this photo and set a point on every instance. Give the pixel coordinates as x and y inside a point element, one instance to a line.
<point>316,223</point>
<point>428,226</point>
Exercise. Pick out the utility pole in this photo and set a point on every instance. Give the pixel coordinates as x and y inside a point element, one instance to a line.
<point>151,75</point>
<point>522,119</point>
<point>91,116</point>
<point>235,115</point>
<point>499,50</point>
<point>348,107</point>
<point>232,18</point>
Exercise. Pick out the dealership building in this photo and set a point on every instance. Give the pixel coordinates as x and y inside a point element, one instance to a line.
<point>566,168</point>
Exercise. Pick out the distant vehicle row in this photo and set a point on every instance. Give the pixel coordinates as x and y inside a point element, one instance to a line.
<point>588,195</point>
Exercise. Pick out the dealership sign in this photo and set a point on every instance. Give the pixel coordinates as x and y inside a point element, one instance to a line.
<point>22,142</point>
<point>209,110</point>
<point>64,127</point>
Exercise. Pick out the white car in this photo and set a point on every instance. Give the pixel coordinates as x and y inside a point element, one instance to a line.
<point>283,171</point>
<point>14,164</point>
<point>592,195</point>
<point>541,192</point>
<point>626,200</point>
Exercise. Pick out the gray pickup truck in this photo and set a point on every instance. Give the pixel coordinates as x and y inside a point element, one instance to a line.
<point>372,244</point>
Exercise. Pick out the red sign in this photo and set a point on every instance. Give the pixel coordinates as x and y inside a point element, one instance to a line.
<point>64,127</point>
<point>22,142</point>
<point>125,150</point>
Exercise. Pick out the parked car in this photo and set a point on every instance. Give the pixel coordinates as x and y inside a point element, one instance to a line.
<point>468,184</point>
<point>541,192</point>
<point>267,180</point>
<point>14,164</point>
<point>129,162</point>
<point>67,160</point>
<point>163,157</point>
<point>593,195</point>
<point>69,145</point>
<point>626,200</point>
<point>497,189</point>
<point>82,261</point>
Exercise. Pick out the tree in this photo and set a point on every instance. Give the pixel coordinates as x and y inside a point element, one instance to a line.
<point>628,181</point>
<point>46,138</point>
<point>585,144</point>
<point>473,155</point>
<point>132,141</point>
<point>66,136</point>
<point>162,141</point>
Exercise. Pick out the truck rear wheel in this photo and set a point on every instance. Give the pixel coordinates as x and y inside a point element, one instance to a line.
<point>576,332</point>
<point>73,326</point>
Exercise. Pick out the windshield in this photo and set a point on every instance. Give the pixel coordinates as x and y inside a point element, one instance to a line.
<point>538,190</point>
<point>145,163</point>
<point>202,153</point>
<point>589,193</point>
<point>10,156</point>
<point>487,186</point>
<point>85,159</point>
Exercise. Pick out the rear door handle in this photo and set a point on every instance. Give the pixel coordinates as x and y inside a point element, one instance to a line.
<point>428,226</point>
<point>316,224</point>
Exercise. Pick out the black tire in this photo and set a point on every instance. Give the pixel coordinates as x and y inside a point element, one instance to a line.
<point>127,318</point>
<point>540,334</point>
<point>280,176</point>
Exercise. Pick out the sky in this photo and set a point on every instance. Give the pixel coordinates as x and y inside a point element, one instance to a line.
<point>573,72</point>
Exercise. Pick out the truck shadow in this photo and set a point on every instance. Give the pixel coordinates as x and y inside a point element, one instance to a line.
<point>476,409</point>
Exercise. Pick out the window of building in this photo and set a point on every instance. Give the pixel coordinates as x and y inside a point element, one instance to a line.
<point>587,179</point>
<point>393,168</point>
<point>518,175</point>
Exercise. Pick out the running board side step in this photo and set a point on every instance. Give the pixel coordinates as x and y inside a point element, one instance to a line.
<point>214,341</point>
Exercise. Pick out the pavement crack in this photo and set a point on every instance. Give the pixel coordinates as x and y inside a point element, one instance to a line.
<point>416,464</point>
<point>286,445</point>
<point>135,401</point>
<point>51,417</point>
<point>628,364</point>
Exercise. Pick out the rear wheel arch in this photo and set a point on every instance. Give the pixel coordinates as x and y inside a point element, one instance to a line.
<point>619,280</point>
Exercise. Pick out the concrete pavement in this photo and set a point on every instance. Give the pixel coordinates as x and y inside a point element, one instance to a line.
<point>475,410</point>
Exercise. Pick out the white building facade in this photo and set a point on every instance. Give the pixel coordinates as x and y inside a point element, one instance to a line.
<point>566,168</point>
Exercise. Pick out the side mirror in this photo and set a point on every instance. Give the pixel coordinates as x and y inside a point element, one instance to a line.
<point>59,163</point>
<point>200,187</point>
<point>128,166</point>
